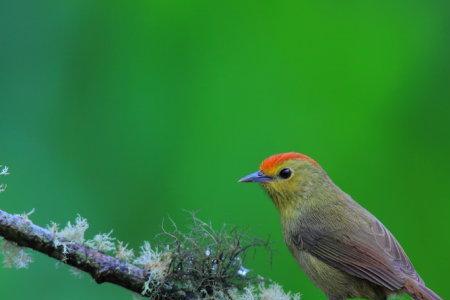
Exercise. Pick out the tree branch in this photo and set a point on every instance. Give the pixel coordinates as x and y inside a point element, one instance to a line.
<point>200,264</point>
<point>102,267</point>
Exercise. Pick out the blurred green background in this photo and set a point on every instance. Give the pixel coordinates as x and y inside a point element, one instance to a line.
<point>129,112</point>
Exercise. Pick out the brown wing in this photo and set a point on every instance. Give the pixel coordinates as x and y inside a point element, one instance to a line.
<point>370,253</point>
<point>393,249</point>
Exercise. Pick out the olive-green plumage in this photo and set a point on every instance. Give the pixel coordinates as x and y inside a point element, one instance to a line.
<point>341,246</point>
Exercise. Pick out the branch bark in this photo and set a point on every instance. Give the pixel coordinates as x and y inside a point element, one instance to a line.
<point>102,267</point>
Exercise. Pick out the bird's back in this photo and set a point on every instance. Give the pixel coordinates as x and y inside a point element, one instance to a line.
<point>343,235</point>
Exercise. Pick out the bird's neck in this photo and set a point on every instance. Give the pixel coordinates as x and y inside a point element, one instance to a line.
<point>312,192</point>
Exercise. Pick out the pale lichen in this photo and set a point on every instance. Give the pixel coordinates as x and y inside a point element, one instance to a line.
<point>147,256</point>
<point>26,215</point>
<point>154,261</point>
<point>53,228</point>
<point>74,233</point>
<point>4,171</point>
<point>274,292</point>
<point>14,256</point>
<point>102,242</point>
<point>261,291</point>
<point>71,233</point>
<point>123,253</point>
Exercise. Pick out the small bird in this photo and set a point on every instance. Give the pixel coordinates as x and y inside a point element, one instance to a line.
<point>341,246</point>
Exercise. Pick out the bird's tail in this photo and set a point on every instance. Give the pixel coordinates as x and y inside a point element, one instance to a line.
<point>419,291</point>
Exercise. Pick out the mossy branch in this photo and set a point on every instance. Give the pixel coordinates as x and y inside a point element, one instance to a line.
<point>199,264</point>
<point>102,267</point>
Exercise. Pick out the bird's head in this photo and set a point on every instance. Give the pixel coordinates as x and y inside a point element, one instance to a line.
<point>287,177</point>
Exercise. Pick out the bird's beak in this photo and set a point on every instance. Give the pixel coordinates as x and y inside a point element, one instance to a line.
<point>256,177</point>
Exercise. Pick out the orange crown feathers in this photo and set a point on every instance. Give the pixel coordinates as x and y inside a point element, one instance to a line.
<point>273,161</point>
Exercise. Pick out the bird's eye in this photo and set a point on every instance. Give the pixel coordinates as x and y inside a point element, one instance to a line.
<point>285,173</point>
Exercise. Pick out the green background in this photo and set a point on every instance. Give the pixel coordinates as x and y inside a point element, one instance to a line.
<point>127,112</point>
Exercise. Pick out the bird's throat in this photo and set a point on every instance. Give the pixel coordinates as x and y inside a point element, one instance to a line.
<point>286,202</point>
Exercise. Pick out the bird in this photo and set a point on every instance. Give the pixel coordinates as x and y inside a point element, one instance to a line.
<point>344,249</point>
